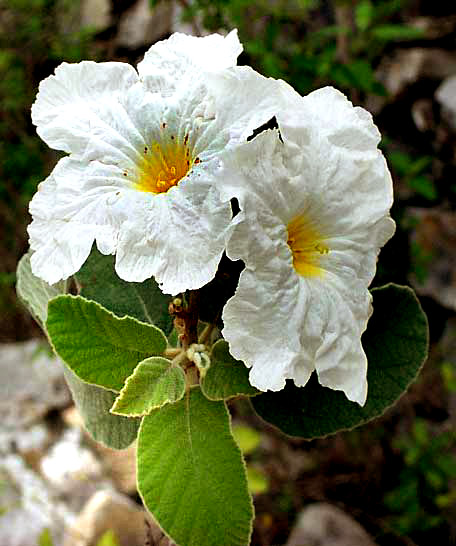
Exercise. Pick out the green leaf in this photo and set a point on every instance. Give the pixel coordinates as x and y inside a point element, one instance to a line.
<point>257,480</point>
<point>99,347</point>
<point>247,438</point>
<point>155,382</point>
<point>226,376</point>
<point>364,12</point>
<point>392,32</point>
<point>108,538</point>
<point>45,538</point>
<point>98,281</point>
<point>93,404</point>
<point>191,475</point>
<point>396,344</point>
<point>34,292</point>
<point>424,186</point>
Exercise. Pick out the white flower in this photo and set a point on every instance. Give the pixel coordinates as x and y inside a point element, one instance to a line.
<point>315,200</point>
<point>141,178</point>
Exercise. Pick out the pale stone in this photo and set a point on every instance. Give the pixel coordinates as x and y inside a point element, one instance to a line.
<point>120,466</point>
<point>33,383</point>
<point>96,14</point>
<point>405,67</point>
<point>111,511</point>
<point>446,96</point>
<point>28,506</point>
<point>73,469</point>
<point>322,524</point>
<point>140,25</point>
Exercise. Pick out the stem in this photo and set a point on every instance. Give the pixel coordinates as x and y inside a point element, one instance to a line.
<point>191,320</point>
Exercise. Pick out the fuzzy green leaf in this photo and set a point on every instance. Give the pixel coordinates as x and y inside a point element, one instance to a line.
<point>93,404</point>
<point>396,345</point>
<point>99,347</point>
<point>191,475</point>
<point>34,292</point>
<point>98,281</point>
<point>226,376</point>
<point>155,382</point>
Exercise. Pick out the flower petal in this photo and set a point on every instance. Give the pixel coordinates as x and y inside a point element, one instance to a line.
<point>170,65</point>
<point>322,166</point>
<point>80,100</point>
<point>177,237</point>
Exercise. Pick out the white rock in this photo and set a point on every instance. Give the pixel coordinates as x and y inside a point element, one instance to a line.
<point>108,510</point>
<point>73,470</point>
<point>405,67</point>
<point>446,96</point>
<point>322,524</point>
<point>140,25</point>
<point>96,14</point>
<point>33,384</point>
<point>28,506</point>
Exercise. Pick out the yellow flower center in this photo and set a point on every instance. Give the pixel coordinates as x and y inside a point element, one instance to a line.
<point>307,247</point>
<point>164,164</point>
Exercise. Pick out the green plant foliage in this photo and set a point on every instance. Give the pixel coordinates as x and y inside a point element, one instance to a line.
<point>226,376</point>
<point>423,488</point>
<point>257,480</point>
<point>99,347</point>
<point>45,538</point>
<point>155,382</point>
<point>93,404</point>
<point>191,475</point>
<point>108,538</point>
<point>414,173</point>
<point>247,438</point>
<point>144,301</point>
<point>34,292</point>
<point>396,345</point>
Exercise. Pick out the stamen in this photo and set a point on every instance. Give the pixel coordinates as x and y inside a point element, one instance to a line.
<point>307,246</point>
<point>167,163</point>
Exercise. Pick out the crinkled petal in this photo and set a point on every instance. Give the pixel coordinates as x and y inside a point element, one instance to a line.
<point>256,319</point>
<point>70,210</point>
<point>81,101</point>
<point>243,101</point>
<point>321,165</point>
<point>171,65</point>
<point>177,237</point>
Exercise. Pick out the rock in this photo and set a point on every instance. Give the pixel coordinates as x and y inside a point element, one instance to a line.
<point>96,14</point>
<point>322,524</point>
<point>140,25</point>
<point>423,114</point>
<point>73,470</point>
<point>446,96</point>
<point>108,510</point>
<point>406,66</point>
<point>120,466</point>
<point>28,506</point>
<point>435,237</point>
<point>35,384</point>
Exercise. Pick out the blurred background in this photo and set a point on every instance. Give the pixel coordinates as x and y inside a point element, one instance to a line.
<point>395,477</point>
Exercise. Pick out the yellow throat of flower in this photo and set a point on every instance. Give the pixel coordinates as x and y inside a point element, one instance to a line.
<point>307,247</point>
<point>164,164</point>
